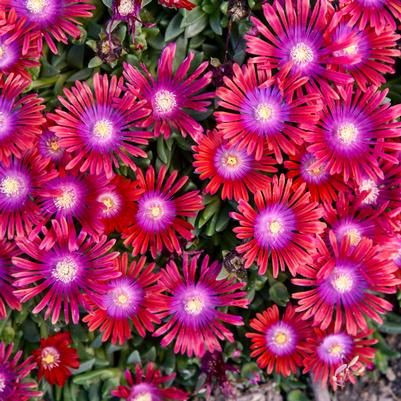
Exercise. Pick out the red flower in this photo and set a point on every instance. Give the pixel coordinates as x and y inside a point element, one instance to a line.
<point>229,168</point>
<point>159,213</point>
<point>178,4</point>
<point>346,281</point>
<point>281,226</point>
<point>130,299</point>
<point>279,344</point>
<point>55,357</point>
<point>330,355</point>
<point>148,384</point>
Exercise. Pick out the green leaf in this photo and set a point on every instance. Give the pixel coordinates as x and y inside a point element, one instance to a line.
<point>279,294</point>
<point>95,376</point>
<point>297,395</point>
<point>197,27</point>
<point>95,62</point>
<point>174,28</point>
<point>215,23</point>
<point>134,358</point>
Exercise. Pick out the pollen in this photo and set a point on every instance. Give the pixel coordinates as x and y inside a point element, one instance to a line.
<point>65,270</point>
<point>108,203</point>
<point>165,101</point>
<point>194,305</point>
<point>336,350</point>
<point>12,187</point>
<point>103,129</point>
<point>281,338</point>
<point>155,211</point>
<point>231,161</point>
<point>50,358</point>
<point>67,199</point>
<point>343,283</point>
<point>143,397</point>
<point>347,133</point>
<point>126,7</point>
<point>275,227</point>
<point>354,236</point>
<point>264,112</point>
<point>121,298</point>
<point>302,54</point>
<point>351,50</point>
<point>36,6</point>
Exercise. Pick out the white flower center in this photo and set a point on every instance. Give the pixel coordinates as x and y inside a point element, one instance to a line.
<point>347,133</point>
<point>36,6</point>
<point>68,198</point>
<point>337,350</point>
<point>12,187</point>
<point>281,338</point>
<point>194,305</point>
<point>65,270</point>
<point>103,129</point>
<point>371,187</point>
<point>354,236</point>
<point>143,397</point>
<point>155,211</point>
<point>2,53</point>
<point>264,112</point>
<point>121,298</point>
<point>302,54</point>
<point>275,227</point>
<point>164,101</point>
<point>342,282</point>
<point>50,358</point>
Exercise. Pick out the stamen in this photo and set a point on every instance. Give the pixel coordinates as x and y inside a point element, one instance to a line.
<point>66,270</point>
<point>50,358</point>
<point>67,199</point>
<point>347,133</point>
<point>302,54</point>
<point>165,101</point>
<point>12,187</point>
<point>275,227</point>
<point>342,282</point>
<point>264,112</point>
<point>194,305</point>
<point>103,129</point>
<point>36,6</point>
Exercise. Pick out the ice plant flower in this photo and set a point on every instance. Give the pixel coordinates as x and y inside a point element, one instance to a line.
<point>49,146</point>
<point>260,111</point>
<point>282,226</point>
<point>147,384</point>
<point>13,386</point>
<point>377,14</point>
<point>21,183</point>
<point>129,300</point>
<point>352,132</point>
<point>192,306</point>
<point>328,353</point>
<point>178,4</point>
<point>51,20</point>
<point>117,207</point>
<point>279,343</point>
<point>376,52</point>
<point>160,213</point>
<point>322,186</point>
<point>11,41</point>
<point>293,42</point>
<point>7,297</point>
<point>345,281</point>
<point>172,93</point>
<point>229,168</point>
<point>55,358</point>
<point>99,128</point>
<point>62,270</point>
<point>20,117</point>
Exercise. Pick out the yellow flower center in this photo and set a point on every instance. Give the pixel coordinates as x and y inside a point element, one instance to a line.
<point>351,50</point>
<point>343,282</point>
<point>347,133</point>
<point>121,298</point>
<point>65,270</point>
<point>264,112</point>
<point>67,199</point>
<point>165,101</point>
<point>281,338</point>
<point>126,7</point>
<point>11,186</point>
<point>143,397</point>
<point>275,227</point>
<point>50,358</point>
<point>108,202</point>
<point>302,54</point>
<point>155,211</point>
<point>231,161</point>
<point>194,306</point>
<point>36,6</point>
<point>336,350</point>
<point>103,129</point>
<point>53,144</point>
<point>354,236</point>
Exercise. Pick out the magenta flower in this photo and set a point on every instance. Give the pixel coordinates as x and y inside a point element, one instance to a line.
<point>260,111</point>
<point>172,94</point>
<point>192,306</point>
<point>352,132</point>
<point>63,267</point>
<point>100,130</point>
<point>293,41</point>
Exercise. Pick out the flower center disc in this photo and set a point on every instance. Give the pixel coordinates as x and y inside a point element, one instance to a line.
<point>302,54</point>
<point>347,133</point>
<point>36,6</point>
<point>143,397</point>
<point>126,7</point>
<point>264,112</point>
<point>275,227</point>
<point>121,298</point>
<point>103,130</point>
<point>50,358</point>
<point>354,236</point>
<point>65,270</point>
<point>165,101</point>
<point>68,198</point>
<point>194,305</point>
<point>342,282</point>
<point>12,187</point>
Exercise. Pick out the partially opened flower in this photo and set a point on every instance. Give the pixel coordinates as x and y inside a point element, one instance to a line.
<point>117,207</point>
<point>293,42</point>
<point>160,213</point>
<point>127,302</point>
<point>62,270</point>
<point>260,111</point>
<point>12,34</point>
<point>329,353</point>
<point>148,384</point>
<point>172,95</point>
<point>322,186</point>
<point>21,183</point>
<point>279,343</point>
<point>352,132</point>
<point>281,227</point>
<point>7,297</point>
<point>230,169</point>
<point>13,386</point>
<point>193,306</point>
<point>51,20</point>
<point>99,128</point>
<point>376,52</point>
<point>378,14</point>
<point>20,117</point>
<point>346,282</point>
<point>55,358</point>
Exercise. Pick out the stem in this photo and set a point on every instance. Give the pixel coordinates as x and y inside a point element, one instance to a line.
<point>320,391</point>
